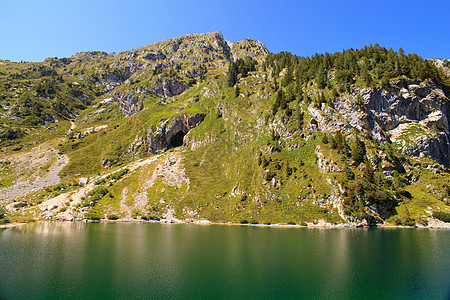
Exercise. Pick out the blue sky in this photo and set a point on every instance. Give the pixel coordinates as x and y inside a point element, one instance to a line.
<point>33,30</point>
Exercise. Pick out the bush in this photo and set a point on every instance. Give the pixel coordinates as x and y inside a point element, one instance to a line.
<point>135,214</point>
<point>119,174</point>
<point>98,193</point>
<point>100,181</point>
<point>2,212</point>
<point>3,218</point>
<point>443,216</point>
<point>92,215</point>
<point>112,217</point>
<point>11,133</point>
<point>405,220</point>
<point>151,217</point>
<point>4,221</point>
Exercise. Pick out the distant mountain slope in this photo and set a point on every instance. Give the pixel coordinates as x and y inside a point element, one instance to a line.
<point>198,128</point>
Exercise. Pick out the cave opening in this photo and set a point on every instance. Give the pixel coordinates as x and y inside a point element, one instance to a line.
<point>177,139</point>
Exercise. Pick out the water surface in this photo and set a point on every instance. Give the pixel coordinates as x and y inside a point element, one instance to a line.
<point>154,261</point>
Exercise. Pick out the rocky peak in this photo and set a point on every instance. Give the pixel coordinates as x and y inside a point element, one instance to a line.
<point>247,47</point>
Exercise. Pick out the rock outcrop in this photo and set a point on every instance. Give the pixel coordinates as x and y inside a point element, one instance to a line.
<point>247,47</point>
<point>171,133</point>
<point>414,117</point>
<point>112,80</point>
<point>167,88</point>
<point>129,104</point>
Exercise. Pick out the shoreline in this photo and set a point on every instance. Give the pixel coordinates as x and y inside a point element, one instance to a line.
<point>320,225</point>
<point>10,225</point>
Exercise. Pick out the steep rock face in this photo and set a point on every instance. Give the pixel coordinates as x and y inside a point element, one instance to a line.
<point>435,147</point>
<point>414,117</point>
<point>406,102</point>
<point>129,104</point>
<point>167,88</point>
<point>171,134</point>
<point>112,80</point>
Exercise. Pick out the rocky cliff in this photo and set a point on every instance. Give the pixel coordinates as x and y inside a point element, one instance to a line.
<point>412,115</point>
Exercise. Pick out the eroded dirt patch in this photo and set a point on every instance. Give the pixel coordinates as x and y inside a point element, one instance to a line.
<point>32,171</point>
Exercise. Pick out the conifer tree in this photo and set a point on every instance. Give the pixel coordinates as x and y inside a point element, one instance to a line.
<point>358,151</point>
<point>287,77</point>
<point>321,78</point>
<point>368,171</point>
<point>232,74</point>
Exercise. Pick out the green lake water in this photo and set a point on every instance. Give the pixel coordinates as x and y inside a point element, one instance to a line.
<point>154,261</point>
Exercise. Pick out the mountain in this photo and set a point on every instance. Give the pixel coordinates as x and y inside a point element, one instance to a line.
<point>199,128</point>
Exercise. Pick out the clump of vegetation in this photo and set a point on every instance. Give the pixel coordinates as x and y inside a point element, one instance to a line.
<point>113,217</point>
<point>240,67</point>
<point>94,196</point>
<point>135,214</point>
<point>118,175</point>
<point>100,181</point>
<point>368,66</point>
<point>151,217</point>
<point>441,215</point>
<point>92,215</point>
<point>3,218</point>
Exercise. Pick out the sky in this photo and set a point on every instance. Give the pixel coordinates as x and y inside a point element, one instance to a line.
<point>32,30</point>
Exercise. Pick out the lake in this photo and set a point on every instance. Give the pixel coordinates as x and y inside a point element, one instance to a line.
<point>155,261</point>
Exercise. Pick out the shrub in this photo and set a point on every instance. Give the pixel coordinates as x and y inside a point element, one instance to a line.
<point>4,221</point>
<point>135,214</point>
<point>97,193</point>
<point>2,212</point>
<point>112,217</point>
<point>92,215</point>
<point>3,218</point>
<point>100,181</point>
<point>151,217</point>
<point>117,175</point>
<point>443,216</point>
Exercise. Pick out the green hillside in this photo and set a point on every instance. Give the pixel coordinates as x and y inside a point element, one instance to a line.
<point>198,128</point>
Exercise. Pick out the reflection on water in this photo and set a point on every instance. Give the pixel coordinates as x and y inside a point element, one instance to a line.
<point>79,260</point>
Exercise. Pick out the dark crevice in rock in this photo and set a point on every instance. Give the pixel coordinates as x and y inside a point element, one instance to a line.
<point>171,134</point>
<point>177,139</point>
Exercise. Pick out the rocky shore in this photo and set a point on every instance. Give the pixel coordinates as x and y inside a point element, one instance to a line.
<point>432,224</point>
